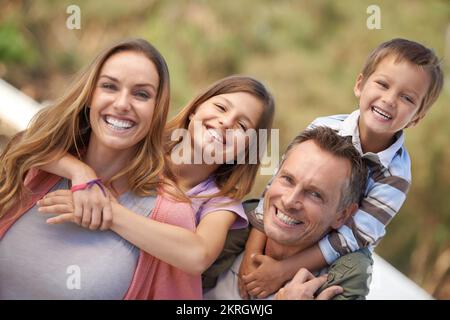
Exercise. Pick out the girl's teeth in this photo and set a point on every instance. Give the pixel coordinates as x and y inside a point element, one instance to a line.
<point>215,135</point>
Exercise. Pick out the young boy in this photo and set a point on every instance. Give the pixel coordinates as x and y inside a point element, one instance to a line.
<point>397,86</point>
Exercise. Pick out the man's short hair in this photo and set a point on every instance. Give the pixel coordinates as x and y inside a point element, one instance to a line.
<point>342,147</point>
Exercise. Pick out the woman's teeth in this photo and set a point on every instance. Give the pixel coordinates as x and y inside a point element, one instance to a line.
<point>119,124</point>
<point>382,113</point>
<point>286,219</point>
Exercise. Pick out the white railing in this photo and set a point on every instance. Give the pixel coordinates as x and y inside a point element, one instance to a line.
<point>16,110</point>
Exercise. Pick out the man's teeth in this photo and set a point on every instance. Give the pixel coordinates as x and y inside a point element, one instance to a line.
<point>286,219</point>
<point>216,135</point>
<point>119,123</point>
<point>382,113</point>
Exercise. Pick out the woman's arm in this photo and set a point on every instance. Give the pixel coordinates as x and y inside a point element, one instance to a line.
<point>190,251</point>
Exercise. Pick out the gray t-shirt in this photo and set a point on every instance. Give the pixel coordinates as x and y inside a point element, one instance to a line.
<point>66,261</point>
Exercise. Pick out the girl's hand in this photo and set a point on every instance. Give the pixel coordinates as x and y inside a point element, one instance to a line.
<point>62,202</point>
<point>265,279</point>
<point>91,208</point>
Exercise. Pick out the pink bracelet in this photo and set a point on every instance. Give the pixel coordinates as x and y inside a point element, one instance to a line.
<point>89,185</point>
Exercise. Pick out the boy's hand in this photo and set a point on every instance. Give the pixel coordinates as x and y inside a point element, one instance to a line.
<point>91,208</point>
<point>266,279</point>
<point>247,267</point>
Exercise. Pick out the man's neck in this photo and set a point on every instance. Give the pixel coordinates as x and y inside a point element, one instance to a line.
<point>279,251</point>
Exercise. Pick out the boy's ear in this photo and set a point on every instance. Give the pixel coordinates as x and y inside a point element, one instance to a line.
<point>344,215</point>
<point>415,121</point>
<point>358,85</point>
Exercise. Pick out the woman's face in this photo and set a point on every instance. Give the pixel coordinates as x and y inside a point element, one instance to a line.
<point>123,101</point>
<point>220,124</point>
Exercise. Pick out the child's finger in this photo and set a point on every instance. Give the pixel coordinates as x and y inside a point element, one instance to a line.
<point>107,216</point>
<point>96,218</point>
<point>329,293</point>
<point>56,209</point>
<point>87,213</point>
<point>67,217</point>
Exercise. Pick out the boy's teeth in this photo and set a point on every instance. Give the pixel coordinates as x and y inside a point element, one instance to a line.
<point>119,123</point>
<point>286,219</point>
<point>386,115</point>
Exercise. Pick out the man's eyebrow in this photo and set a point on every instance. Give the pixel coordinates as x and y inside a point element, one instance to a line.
<point>137,85</point>
<point>284,172</point>
<point>229,103</point>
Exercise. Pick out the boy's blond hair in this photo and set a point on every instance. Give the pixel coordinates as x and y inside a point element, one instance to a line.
<point>415,53</point>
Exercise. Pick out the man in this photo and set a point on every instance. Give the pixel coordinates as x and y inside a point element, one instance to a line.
<point>318,186</point>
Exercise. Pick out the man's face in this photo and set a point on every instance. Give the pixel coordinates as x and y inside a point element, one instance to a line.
<point>302,202</point>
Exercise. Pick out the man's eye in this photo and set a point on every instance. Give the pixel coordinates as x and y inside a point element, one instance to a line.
<point>287,179</point>
<point>315,194</point>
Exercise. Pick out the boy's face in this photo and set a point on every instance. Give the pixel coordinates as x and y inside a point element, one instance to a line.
<point>390,97</point>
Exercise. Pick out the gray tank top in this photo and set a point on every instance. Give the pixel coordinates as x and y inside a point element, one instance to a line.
<point>65,261</point>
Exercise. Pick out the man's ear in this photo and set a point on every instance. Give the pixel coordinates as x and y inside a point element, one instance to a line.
<point>344,215</point>
<point>358,85</point>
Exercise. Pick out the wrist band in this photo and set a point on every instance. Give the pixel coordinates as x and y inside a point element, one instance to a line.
<point>89,185</point>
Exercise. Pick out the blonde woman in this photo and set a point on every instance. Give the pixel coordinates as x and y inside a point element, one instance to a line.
<point>112,119</point>
<point>234,104</point>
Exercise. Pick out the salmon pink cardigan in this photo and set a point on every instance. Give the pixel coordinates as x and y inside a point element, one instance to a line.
<point>153,278</point>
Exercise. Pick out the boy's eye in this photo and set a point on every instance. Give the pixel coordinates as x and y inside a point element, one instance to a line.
<point>409,99</point>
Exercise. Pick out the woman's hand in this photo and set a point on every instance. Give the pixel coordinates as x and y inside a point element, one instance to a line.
<point>304,286</point>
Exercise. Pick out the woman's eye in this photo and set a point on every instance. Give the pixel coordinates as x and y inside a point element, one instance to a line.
<point>109,86</point>
<point>143,95</point>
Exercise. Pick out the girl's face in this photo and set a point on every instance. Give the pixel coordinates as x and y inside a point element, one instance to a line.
<point>221,123</point>
<point>123,101</point>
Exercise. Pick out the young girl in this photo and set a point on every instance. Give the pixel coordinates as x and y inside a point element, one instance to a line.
<point>112,118</point>
<point>235,103</point>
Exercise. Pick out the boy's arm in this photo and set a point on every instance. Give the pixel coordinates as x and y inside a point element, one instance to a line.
<point>366,228</point>
<point>255,245</point>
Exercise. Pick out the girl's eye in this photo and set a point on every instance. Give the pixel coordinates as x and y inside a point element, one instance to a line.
<point>220,107</point>
<point>242,125</point>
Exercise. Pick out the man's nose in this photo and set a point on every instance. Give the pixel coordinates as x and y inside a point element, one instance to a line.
<point>122,101</point>
<point>292,200</point>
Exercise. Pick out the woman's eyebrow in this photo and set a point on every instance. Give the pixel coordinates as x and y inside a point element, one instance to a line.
<point>147,84</point>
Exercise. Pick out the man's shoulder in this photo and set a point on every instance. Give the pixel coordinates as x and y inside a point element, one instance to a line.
<point>353,272</point>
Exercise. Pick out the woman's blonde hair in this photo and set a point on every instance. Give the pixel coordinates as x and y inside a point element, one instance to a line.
<point>233,180</point>
<point>64,127</point>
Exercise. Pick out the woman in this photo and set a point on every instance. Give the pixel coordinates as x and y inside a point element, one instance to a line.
<point>112,118</point>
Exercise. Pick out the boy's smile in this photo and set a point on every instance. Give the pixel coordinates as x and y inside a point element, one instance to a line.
<point>389,99</point>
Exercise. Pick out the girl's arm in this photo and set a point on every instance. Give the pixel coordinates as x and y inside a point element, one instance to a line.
<point>91,208</point>
<point>192,252</point>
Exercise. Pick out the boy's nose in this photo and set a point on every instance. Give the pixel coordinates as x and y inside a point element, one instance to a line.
<point>389,98</point>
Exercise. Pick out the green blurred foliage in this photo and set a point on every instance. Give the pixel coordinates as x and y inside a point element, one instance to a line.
<point>307,52</point>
